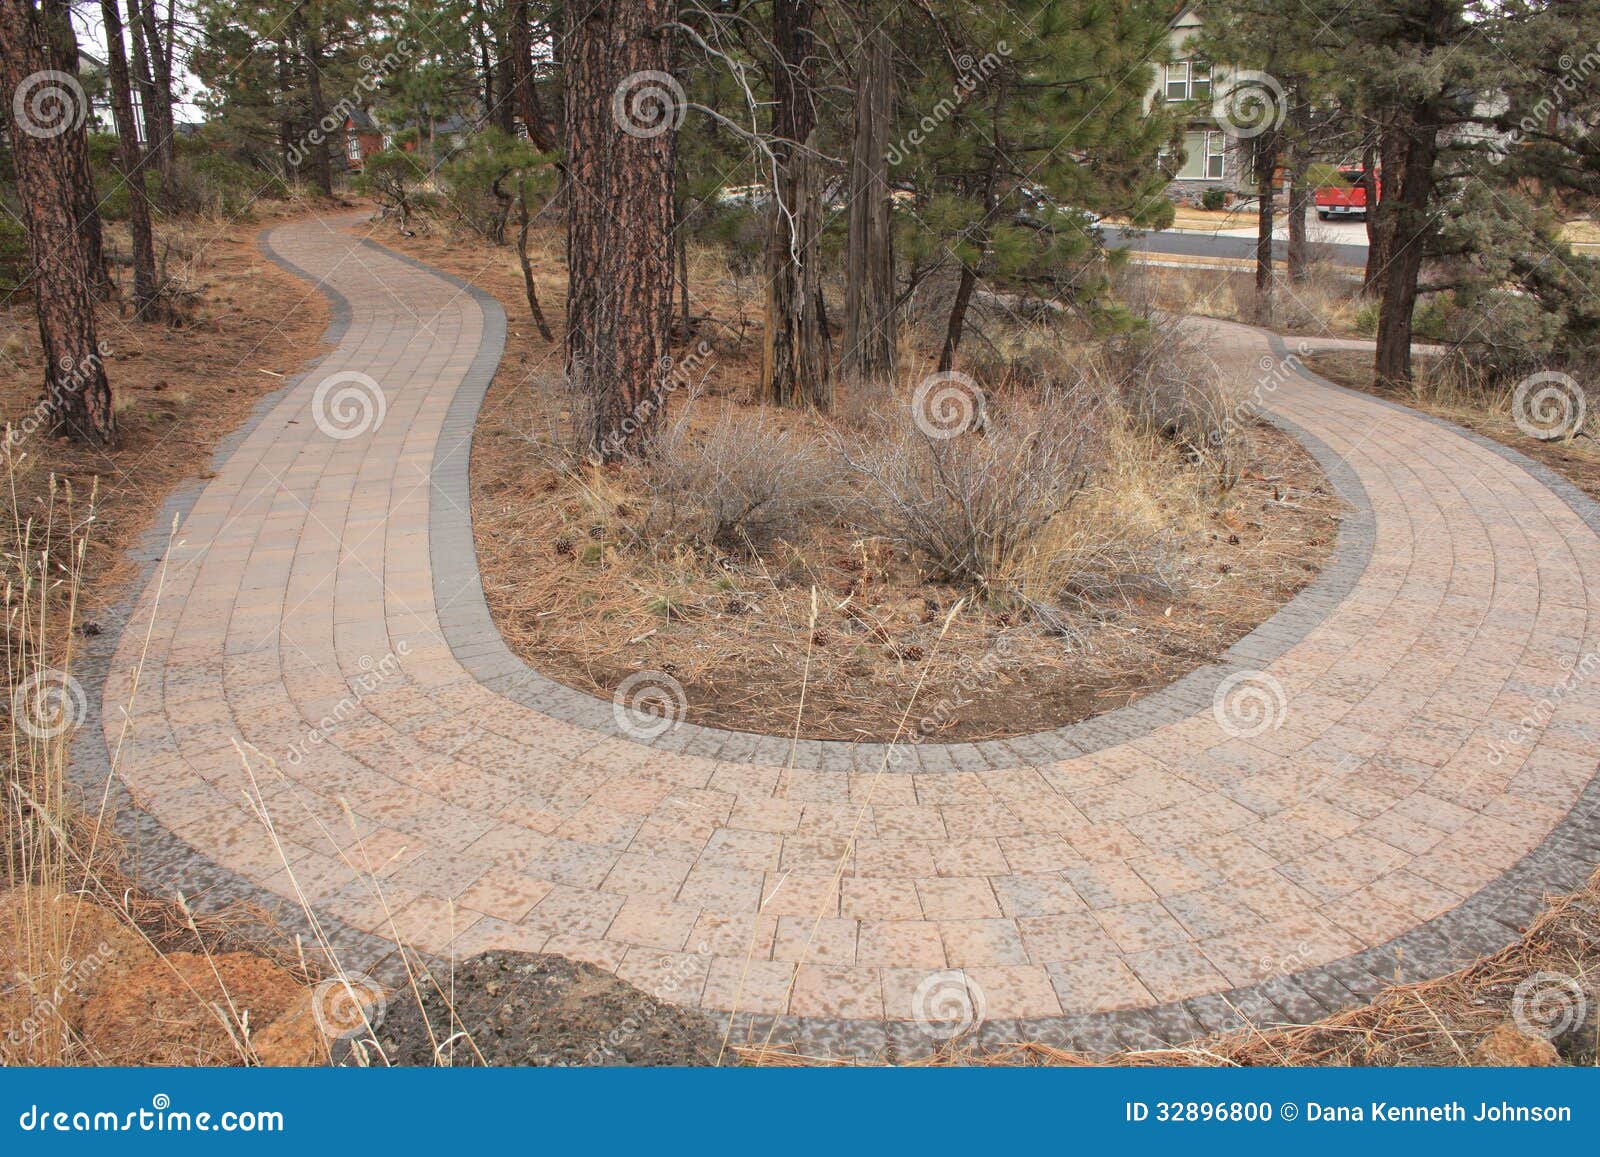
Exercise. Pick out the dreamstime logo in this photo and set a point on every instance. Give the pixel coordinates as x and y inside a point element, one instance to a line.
<point>1547,1004</point>
<point>948,1004</point>
<point>970,76</point>
<point>648,703</point>
<point>947,404</point>
<point>49,103</point>
<point>49,702</point>
<point>73,374</point>
<point>1253,103</point>
<point>374,71</point>
<point>347,404</point>
<point>1549,406</point>
<point>647,104</point>
<point>1248,703</point>
<point>345,1006</point>
<point>373,674</point>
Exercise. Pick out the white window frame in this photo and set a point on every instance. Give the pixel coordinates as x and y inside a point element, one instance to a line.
<point>1189,77</point>
<point>1216,150</point>
<point>1174,77</point>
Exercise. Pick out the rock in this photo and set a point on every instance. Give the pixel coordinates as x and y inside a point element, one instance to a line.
<point>57,951</point>
<point>1509,1046</point>
<point>174,1011</point>
<point>545,1010</point>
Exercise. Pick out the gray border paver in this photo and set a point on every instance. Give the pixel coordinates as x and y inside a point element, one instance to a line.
<point>1462,589</point>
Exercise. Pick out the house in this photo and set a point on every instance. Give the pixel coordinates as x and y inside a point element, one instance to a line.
<point>1211,157</point>
<point>362,138</point>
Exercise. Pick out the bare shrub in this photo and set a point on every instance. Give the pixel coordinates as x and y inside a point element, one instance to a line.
<point>739,482</point>
<point>1173,390</point>
<point>971,503</point>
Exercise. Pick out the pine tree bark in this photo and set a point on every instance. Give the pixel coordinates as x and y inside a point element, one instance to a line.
<point>795,364</point>
<point>1298,256</point>
<point>131,161</point>
<point>1266,164</point>
<point>525,94</point>
<point>77,398</point>
<point>160,124</point>
<point>62,48</point>
<point>619,223</point>
<point>869,314</point>
<point>1408,184</point>
<point>1380,221</point>
<point>321,162</point>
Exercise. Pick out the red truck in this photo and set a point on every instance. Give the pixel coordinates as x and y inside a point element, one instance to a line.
<point>1347,198</point>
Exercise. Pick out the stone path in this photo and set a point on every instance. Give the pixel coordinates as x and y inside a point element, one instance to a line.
<point>1380,782</point>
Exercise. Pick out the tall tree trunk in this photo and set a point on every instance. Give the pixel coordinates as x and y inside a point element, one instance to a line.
<point>969,269</point>
<point>795,368</point>
<point>131,159</point>
<point>494,73</point>
<point>619,223</point>
<point>1409,185</point>
<point>869,315</point>
<point>1266,164</point>
<point>1298,258</point>
<point>321,162</point>
<point>526,95</point>
<point>62,54</point>
<point>77,398</point>
<point>1380,221</point>
<point>161,127</point>
<point>528,287</point>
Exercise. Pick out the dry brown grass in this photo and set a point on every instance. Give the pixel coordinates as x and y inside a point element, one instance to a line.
<point>581,589</point>
<point>1326,304</point>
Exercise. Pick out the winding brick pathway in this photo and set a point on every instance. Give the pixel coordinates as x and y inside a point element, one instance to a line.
<point>1138,878</point>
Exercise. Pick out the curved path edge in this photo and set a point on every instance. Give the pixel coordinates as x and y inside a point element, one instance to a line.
<point>1485,922</point>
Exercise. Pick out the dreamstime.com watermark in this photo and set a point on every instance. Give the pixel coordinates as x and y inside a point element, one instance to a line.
<point>374,71</point>
<point>677,973</point>
<point>75,974</point>
<point>647,704</point>
<point>1249,703</point>
<point>159,1117</point>
<point>948,404</point>
<point>948,1004</point>
<point>972,675</point>
<point>1550,406</point>
<point>1575,73</point>
<point>49,103</point>
<point>648,103</point>
<point>71,376</point>
<point>1527,729</point>
<point>49,703</point>
<point>970,76</point>
<point>676,373</point>
<point>348,404</point>
<point>374,673</point>
<point>1274,372</point>
<point>1548,1004</point>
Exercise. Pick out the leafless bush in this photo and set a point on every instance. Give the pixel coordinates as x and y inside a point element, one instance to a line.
<point>1172,389</point>
<point>971,503</point>
<point>741,482</point>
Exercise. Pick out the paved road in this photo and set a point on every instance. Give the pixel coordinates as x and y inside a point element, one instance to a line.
<point>1214,245</point>
<point>1339,802</point>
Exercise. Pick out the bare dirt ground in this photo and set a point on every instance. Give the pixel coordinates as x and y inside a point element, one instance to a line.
<point>743,636</point>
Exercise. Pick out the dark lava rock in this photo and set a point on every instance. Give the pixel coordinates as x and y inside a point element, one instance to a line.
<point>523,1008</point>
